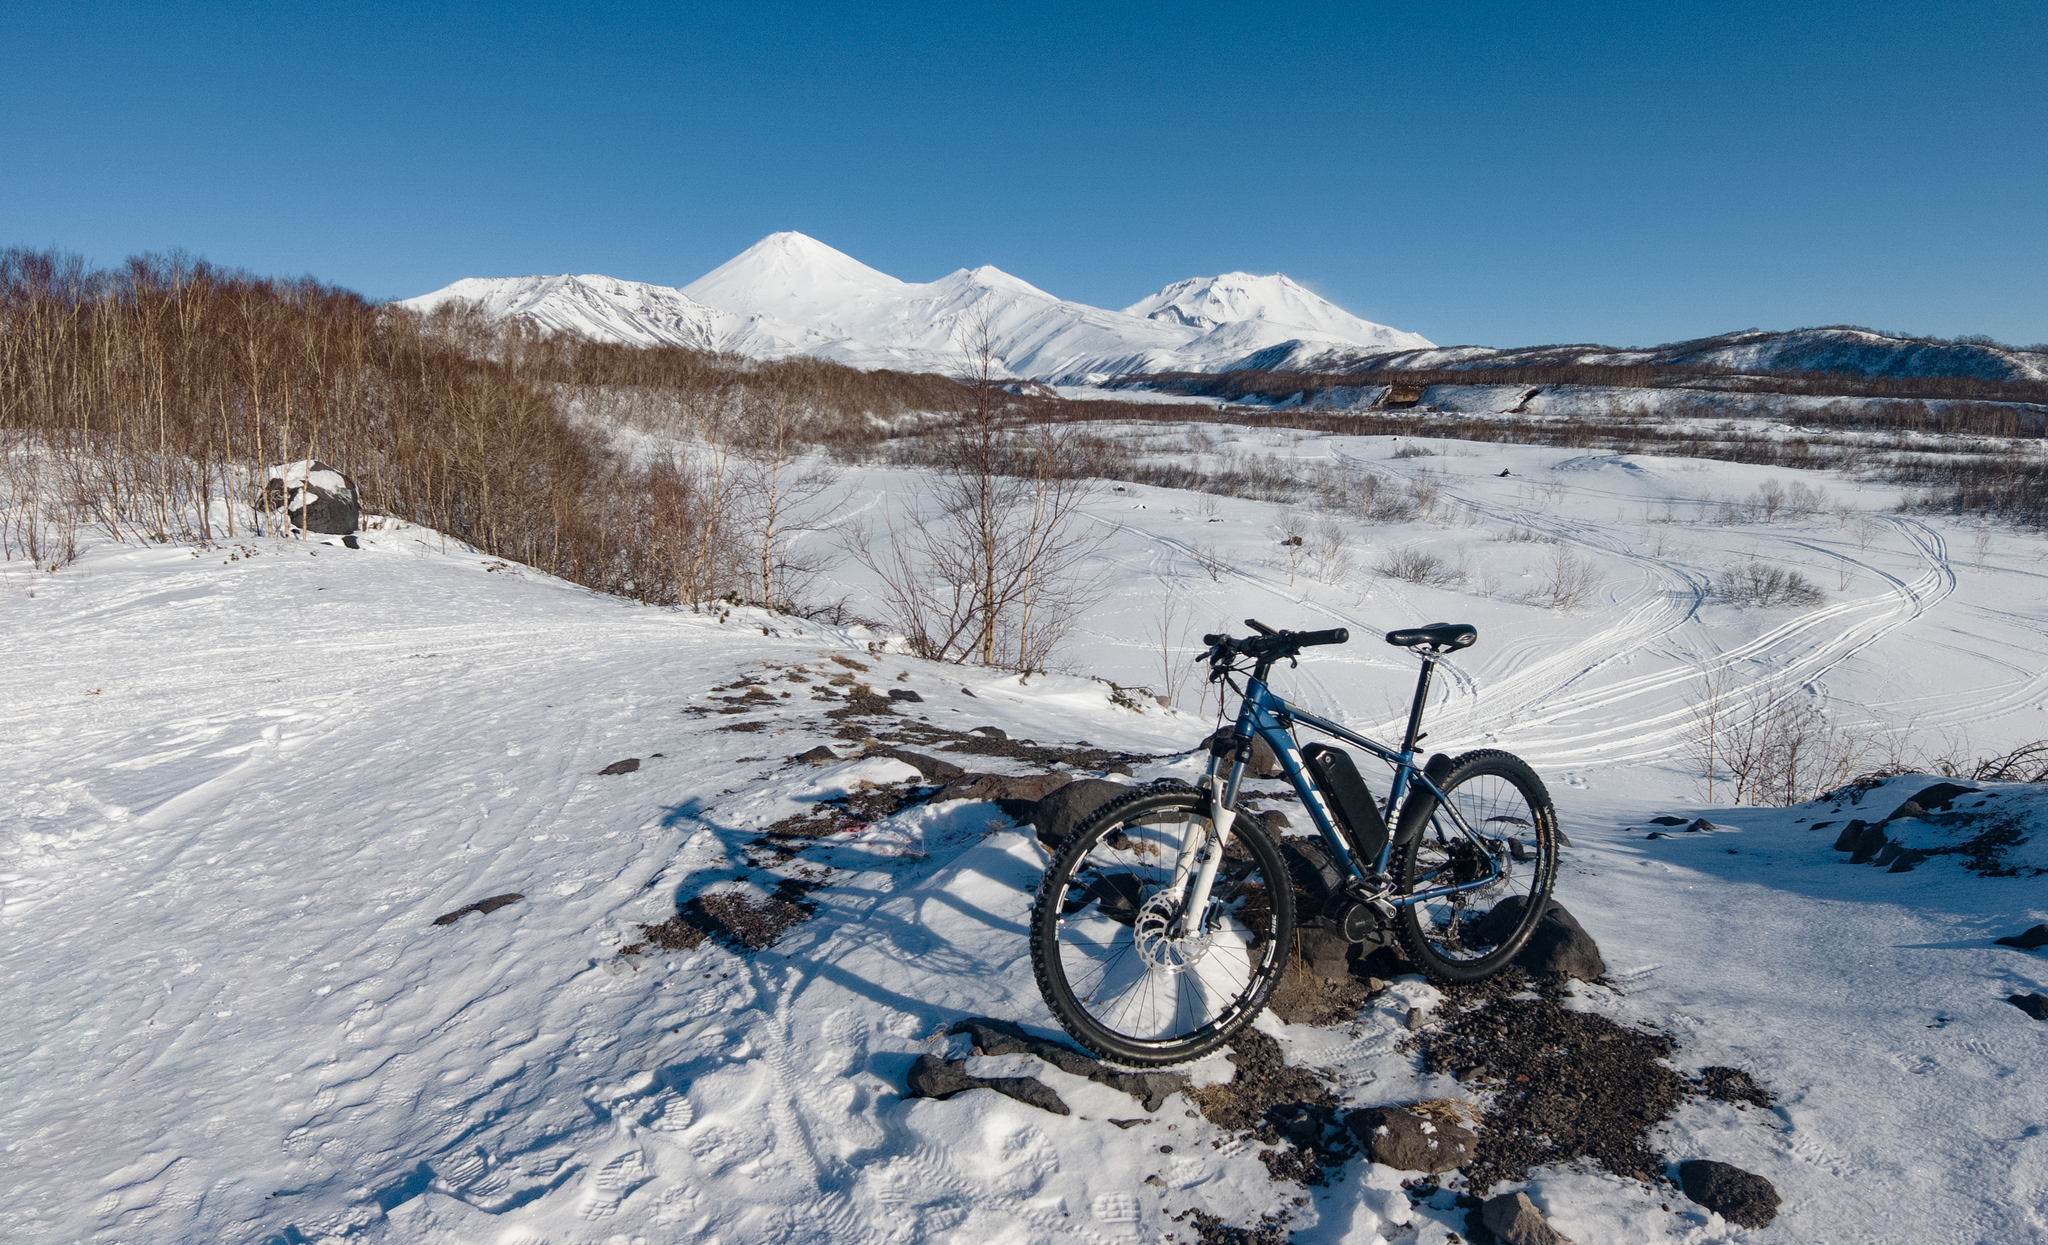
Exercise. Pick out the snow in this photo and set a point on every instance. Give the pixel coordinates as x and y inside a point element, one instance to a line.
<point>244,782</point>
<point>791,294</point>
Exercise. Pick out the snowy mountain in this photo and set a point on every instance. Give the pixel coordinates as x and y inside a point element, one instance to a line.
<point>628,312</point>
<point>791,294</point>
<point>1235,297</point>
<point>1841,348</point>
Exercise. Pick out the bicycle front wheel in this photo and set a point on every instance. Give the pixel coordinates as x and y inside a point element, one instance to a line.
<point>1472,934</point>
<point>1103,941</point>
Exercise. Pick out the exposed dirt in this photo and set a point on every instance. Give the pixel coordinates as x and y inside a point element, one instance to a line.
<point>1733,1085</point>
<point>1291,1109</point>
<point>748,924</point>
<point>1211,1230</point>
<point>674,934</point>
<point>1302,998</point>
<point>1562,1085</point>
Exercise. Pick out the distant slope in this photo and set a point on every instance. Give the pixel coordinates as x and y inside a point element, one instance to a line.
<point>791,294</point>
<point>1842,349</point>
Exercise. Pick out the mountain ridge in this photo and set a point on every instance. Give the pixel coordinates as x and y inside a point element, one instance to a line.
<point>791,294</point>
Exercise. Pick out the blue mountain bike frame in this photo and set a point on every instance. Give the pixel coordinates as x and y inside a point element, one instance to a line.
<point>1266,716</point>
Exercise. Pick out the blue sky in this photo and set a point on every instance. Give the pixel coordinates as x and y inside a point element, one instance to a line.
<point>1504,174</point>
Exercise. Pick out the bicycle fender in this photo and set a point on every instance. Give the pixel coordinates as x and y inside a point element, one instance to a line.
<point>1421,802</point>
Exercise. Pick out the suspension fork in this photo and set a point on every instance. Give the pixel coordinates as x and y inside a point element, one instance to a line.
<point>1206,842</point>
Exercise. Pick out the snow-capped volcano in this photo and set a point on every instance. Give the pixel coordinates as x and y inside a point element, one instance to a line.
<point>1210,302</point>
<point>791,294</point>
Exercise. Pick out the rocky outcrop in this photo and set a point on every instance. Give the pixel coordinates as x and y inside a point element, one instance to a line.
<point>1559,945</point>
<point>1514,1220</point>
<point>933,1077</point>
<point>312,497</point>
<point>1742,1198</point>
<point>1418,1138</point>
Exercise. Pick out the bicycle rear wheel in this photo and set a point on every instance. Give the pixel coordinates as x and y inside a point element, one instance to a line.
<point>1101,943</point>
<point>1471,935</point>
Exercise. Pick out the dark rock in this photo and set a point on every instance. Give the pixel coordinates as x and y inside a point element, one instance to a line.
<point>1325,951</point>
<point>481,906</point>
<point>1667,821</point>
<point>1263,763</point>
<point>1910,809</point>
<point>1002,788</point>
<point>1000,1037</point>
<point>932,769</point>
<point>1056,816</point>
<point>992,732</point>
<point>312,497</point>
<point>1907,860</point>
<point>1869,844</point>
<point>1742,1198</point>
<point>968,691</point>
<point>349,542</point>
<point>1851,835</point>
<point>1701,825</point>
<point>1410,1140</point>
<point>905,694</point>
<point>1560,946</point>
<point>1656,834</point>
<point>1938,797</point>
<point>626,766</point>
<point>2035,1005</point>
<point>1514,1219</point>
<point>2035,937</point>
<point>933,1077</point>
<point>816,756</point>
<point>1887,854</point>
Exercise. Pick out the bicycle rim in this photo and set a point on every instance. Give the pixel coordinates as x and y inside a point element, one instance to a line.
<point>1473,934</point>
<point>1115,981</point>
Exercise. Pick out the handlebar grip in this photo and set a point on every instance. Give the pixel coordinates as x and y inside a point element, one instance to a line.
<point>1213,640</point>
<point>1335,635</point>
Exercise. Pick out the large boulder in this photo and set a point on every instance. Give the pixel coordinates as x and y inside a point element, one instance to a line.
<point>1742,1198</point>
<point>1002,788</point>
<point>1514,1220</point>
<point>1413,1139</point>
<point>1060,813</point>
<point>1559,947</point>
<point>312,497</point>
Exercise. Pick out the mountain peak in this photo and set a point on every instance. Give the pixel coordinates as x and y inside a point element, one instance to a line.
<point>1235,297</point>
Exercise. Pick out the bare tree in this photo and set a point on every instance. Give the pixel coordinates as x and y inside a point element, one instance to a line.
<point>987,563</point>
<point>776,495</point>
<point>1568,579</point>
<point>1168,633</point>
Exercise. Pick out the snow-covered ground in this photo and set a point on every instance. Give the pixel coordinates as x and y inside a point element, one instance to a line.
<point>245,781</point>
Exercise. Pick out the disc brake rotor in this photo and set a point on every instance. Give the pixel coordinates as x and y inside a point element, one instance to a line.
<point>1157,945</point>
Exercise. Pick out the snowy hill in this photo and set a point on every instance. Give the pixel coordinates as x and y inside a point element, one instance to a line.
<point>791,294</point>
<point>243,786</point>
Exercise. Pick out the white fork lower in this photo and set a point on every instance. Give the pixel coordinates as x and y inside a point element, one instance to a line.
<point>1197,906</point>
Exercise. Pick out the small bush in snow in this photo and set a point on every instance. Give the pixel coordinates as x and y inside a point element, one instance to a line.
<point>1754,582</point>
<point>1420,567</point>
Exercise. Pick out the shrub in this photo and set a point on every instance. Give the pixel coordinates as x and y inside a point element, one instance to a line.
<point>1754,582</point>
<point>1420,567</point>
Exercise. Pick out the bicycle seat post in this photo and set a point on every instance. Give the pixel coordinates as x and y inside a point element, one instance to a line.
<point>1408,741</point>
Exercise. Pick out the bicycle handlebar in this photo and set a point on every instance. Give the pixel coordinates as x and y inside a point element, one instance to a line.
<point>1271,644</point>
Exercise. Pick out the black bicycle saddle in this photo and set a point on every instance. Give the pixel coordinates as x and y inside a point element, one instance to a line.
<point>1444,637</point>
